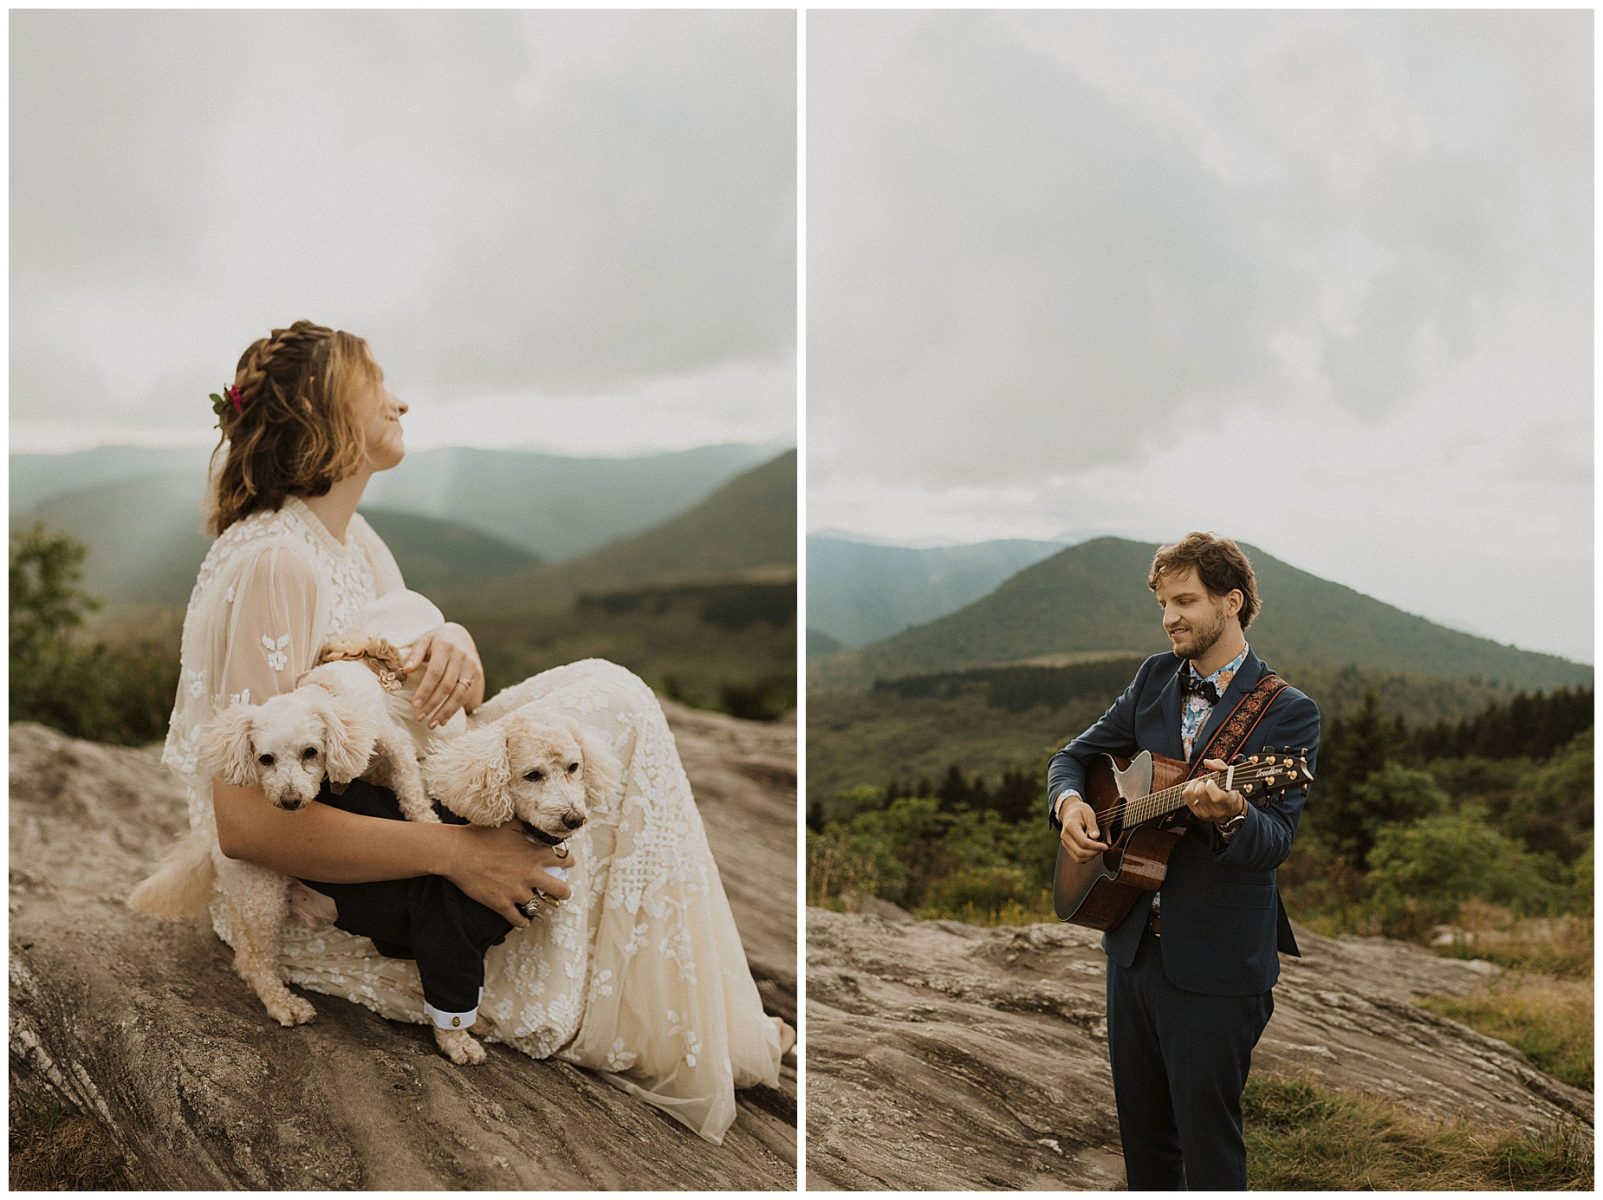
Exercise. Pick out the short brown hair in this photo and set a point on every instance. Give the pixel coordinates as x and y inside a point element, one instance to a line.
<point>295,432</point>
<point>1220,564</point>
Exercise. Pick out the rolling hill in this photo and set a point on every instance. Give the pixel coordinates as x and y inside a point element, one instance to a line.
<point>821,645</point>
<point>1090,600</point>
<point>145,542</point>
<point>745,529</point>
<point>433,553</point>
<point>144,536</point>
<point>36,478</point>
<point>860,592</point>
<point>554,506</point>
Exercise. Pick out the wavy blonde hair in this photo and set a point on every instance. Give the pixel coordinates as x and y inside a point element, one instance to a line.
<point>296,432</point>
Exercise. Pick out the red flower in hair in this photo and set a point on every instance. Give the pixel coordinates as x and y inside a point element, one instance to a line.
<point>231,397</point>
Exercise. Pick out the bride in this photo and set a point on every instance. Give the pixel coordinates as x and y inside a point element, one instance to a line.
<point>639,974</point>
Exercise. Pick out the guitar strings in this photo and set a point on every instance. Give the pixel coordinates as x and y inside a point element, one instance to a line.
<point>1245,773</point>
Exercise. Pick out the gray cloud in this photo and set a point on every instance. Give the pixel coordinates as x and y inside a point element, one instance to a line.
<point>1321,280</point>
<point>1019,234</point>
<point>508,205</point>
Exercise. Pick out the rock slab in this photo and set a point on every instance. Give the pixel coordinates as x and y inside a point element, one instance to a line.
<point>142,1027</point>
<point>945,1056</point>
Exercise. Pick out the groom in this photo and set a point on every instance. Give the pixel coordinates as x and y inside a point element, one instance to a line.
<point>1189,995</point>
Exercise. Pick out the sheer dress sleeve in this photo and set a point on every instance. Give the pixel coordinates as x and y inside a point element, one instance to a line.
<point>268,626</point>
<point>252,627</point>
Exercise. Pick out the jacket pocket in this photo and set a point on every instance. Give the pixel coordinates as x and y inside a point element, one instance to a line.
<point>1243,895</point>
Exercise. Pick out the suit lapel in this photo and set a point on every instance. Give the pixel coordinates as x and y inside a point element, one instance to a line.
<point>1252,669</point>
<point>1169,704</point>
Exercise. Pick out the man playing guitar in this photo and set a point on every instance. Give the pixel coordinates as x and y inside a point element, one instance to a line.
<point>1190,993</point>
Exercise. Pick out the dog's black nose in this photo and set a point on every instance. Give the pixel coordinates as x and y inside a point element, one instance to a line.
<point>290,805</point>
<point>572,820</point>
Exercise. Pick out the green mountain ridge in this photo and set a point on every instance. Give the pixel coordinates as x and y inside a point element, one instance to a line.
<point>745,529</point>
<point>860,592</point>
<point>1091,600</point>
<point>554,506</point>
<point>145,543</point>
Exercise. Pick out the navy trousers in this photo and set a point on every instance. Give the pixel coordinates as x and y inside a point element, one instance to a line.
<point>427,918</point>
<point>1180,1060</point>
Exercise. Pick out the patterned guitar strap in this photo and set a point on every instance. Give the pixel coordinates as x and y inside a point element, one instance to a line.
<point>1242,720</point>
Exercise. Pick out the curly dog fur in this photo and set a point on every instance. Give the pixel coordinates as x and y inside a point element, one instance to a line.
<point>533,765</point>
<point>334,725</point>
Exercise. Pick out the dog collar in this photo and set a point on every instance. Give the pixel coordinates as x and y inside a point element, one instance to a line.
<point>541,835</point>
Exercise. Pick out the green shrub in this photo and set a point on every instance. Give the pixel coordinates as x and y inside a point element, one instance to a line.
<point>980,894</point>
<point>110,693</point>
<point>1422,873</point>
<point>1554,812</point>
<point>1398,795</point>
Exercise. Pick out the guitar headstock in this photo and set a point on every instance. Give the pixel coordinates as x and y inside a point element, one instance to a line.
<point>1267,772</point>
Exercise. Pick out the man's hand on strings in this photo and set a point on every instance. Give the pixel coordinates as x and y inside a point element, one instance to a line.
<point>1209,801</point>
<point>1080,832</point>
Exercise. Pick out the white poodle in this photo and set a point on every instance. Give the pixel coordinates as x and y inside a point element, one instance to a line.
<point>534,766</point>
<point>334,725</point>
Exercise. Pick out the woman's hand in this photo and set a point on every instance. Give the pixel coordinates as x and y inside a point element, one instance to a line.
<point>455,677</point>
<point>501,867</point>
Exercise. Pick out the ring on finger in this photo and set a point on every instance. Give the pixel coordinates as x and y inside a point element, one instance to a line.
<point>531,907</point>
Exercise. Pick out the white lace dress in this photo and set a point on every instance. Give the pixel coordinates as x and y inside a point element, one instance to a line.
<point>641,975</point>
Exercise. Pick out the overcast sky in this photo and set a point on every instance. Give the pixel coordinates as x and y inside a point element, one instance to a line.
<point>1319,281</point>
<point>573,231</point>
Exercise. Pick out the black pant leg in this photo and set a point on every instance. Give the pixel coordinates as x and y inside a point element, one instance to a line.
<point>1147,1125</point>
<point>450,934</point>
<point>1211,1039</point>
<point>426,917</point>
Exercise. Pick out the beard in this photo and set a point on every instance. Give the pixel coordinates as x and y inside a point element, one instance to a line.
<point>1204,637</point>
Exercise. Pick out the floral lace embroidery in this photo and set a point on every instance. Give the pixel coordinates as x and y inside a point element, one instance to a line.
<point>277,660</point>
<point>619,1059</point>
<point>646,931</point>
<point>346,582</point>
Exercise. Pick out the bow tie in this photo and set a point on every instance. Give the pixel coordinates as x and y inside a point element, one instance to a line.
<point>1192,685</point>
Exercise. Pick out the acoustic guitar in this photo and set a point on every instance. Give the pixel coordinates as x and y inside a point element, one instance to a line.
<point>1132,798</point>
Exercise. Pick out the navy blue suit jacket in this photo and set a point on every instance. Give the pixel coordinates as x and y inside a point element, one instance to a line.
<point>1222,916</point>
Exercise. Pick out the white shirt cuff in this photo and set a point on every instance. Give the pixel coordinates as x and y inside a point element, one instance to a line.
<point>1057,804</point>
<point>453,1020</point>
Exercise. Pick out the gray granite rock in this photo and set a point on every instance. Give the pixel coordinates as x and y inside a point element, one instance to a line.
<point>946,1056</point>
<point>143,1028</point>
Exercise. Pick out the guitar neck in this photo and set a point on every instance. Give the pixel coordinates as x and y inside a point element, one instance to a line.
<point>1273,775</point>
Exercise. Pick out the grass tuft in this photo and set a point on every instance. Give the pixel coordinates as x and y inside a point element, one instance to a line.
<point>1301,1137</point>
<point>56,1149</point>
<point>1545,1018</point>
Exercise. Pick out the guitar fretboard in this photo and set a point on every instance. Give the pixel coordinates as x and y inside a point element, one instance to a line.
<point>1250,778</point>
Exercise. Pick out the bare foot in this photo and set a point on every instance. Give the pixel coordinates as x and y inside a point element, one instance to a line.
<point>311,908</point>
<point>787,1036</point>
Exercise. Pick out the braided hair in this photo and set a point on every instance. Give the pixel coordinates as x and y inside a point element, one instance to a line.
<point>294,431</point>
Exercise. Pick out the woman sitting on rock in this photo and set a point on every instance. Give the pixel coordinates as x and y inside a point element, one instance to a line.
<point>640,973</point>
